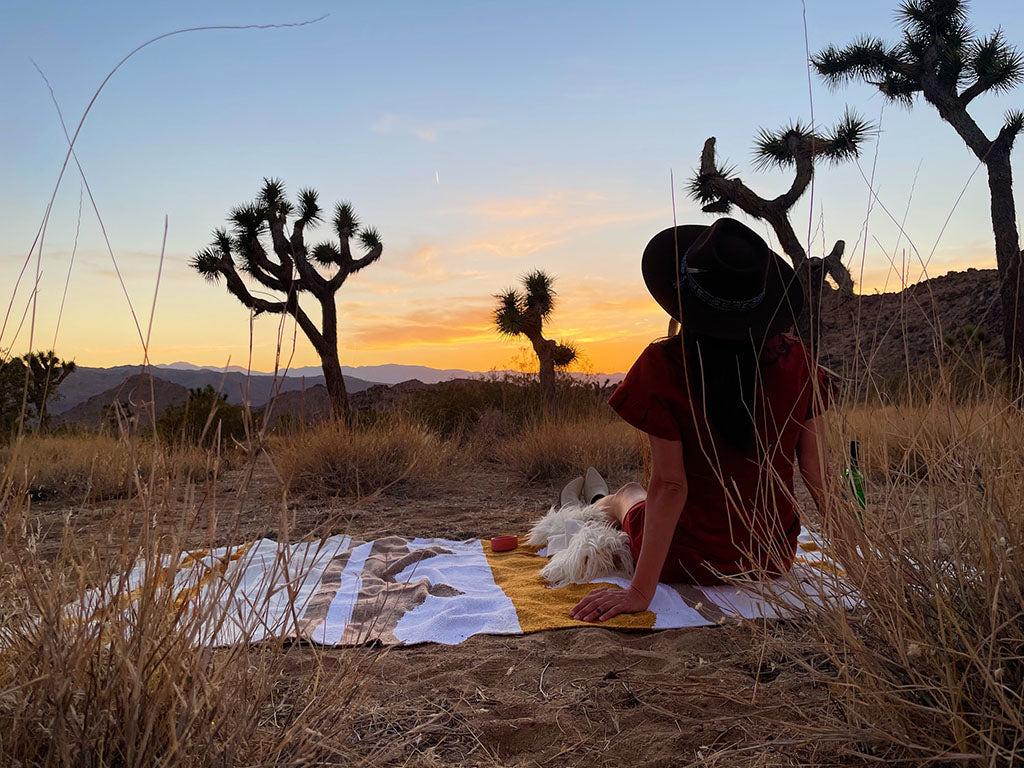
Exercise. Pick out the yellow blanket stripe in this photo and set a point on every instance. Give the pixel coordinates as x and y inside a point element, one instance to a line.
<point>538,607</point>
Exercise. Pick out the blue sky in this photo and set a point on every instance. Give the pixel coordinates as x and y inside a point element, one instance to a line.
<point>481,139</point>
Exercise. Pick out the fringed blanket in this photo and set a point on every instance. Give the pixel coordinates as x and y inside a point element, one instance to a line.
<point>396,591</point>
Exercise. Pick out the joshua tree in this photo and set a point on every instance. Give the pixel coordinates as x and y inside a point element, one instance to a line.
<point>522,313</point>
<point>941,58</point>
<point>291,268</point>
<point>797,146</point>
<point>43,372</point>
<point>12,389</point>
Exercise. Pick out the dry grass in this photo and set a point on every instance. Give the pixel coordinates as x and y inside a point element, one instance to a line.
<point>90,467</point>
<point>930,668</point>
<point>396,455</point>
<point>92,678</point>
<point>938,439</point>
<point>552,449</point>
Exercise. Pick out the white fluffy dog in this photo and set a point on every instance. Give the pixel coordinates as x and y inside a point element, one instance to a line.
<point>592,549</point>
<point>553,523</point>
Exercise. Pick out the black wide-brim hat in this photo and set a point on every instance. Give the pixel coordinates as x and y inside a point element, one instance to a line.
<point>722,280</point>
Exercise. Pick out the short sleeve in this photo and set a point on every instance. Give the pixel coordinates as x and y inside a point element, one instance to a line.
<point>641,400</point>
<point>821,391</point>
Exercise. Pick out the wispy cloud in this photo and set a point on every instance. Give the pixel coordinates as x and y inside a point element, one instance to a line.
<point>510,245</point>
<point>552,204</point>
<point>458,321</point>
<point>428,131</point>
<point>518,227</point>
<point>424,264</point>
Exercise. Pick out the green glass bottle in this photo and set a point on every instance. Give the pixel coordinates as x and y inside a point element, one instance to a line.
<point>855,479</point>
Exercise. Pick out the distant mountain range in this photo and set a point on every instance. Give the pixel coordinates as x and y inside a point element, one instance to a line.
<point>103,383</point>
<point>888,333</point>
<point>390,373</point>
<point>86,383</point>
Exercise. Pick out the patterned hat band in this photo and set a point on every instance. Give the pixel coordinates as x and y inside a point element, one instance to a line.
<point>726,305</point>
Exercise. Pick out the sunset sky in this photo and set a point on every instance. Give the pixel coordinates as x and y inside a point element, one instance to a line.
<point>482,140</point>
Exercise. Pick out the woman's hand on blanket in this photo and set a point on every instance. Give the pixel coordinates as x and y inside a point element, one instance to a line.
<point>602,604</point>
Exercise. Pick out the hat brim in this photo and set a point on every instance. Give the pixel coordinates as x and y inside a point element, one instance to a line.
<point>783,297</point>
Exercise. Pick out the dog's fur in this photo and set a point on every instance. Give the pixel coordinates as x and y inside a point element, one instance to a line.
<point>553,522</point>
<point>598,549</point>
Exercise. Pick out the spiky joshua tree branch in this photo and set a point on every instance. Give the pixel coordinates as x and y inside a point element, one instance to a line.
<point>718,188</point>
<point>259,249</point>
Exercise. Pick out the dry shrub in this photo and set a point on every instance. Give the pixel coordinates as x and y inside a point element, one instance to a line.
<point>395,455</point>
<point>562,448</point>
<point>939,439</point>
<point>508,402</point>
<point>93,466</point>
<point>133,684</point>
<point>930,668</point>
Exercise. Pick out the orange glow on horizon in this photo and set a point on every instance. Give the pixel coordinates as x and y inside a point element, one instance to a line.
<point>610,325</point>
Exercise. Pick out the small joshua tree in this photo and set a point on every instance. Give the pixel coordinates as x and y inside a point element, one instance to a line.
<point>943,60</point>
<point>522,313</point>
<point>291,268</point>
<point>12,392</point>
<point>796,146</point>
<point>45,372</point>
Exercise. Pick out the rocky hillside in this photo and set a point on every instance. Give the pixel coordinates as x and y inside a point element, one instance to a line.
<point>886,333</point>
<point>141,394</point>
<point>310,405</point>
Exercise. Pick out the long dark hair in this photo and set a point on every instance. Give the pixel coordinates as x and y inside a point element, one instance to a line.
<point>723,375</point>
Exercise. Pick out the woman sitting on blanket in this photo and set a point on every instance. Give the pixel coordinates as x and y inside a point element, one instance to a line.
<point>730,405</point>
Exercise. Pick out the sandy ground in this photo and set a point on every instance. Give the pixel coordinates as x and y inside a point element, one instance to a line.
<point>591,696</point>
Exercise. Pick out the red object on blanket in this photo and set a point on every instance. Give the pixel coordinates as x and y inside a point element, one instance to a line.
<point>504,543</point>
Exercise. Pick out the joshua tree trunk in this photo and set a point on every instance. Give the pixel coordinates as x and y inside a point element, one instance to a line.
<point>335,383</point>
<point>995,155</point>
<point>1008,260</point>
<point>788,240</point>
<point>329,360</point>
<point>545,349</point>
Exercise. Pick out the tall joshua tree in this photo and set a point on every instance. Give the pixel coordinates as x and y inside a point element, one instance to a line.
<point>522,313</point>
<point>796,146</point>
<point>290,267</point>
<point>942,59</point>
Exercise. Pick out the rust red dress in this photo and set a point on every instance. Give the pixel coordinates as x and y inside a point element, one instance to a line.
<point>740,513</point>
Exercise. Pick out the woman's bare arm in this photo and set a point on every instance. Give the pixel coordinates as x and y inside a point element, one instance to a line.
<point>666,498</point>
<point>812,456</point>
